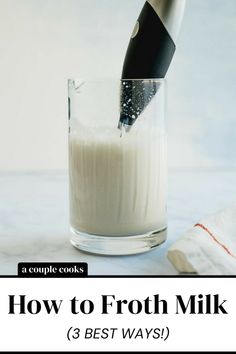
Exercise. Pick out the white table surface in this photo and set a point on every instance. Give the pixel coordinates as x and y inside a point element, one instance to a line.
<point>34,220</point>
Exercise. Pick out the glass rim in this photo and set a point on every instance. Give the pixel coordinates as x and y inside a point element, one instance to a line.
<point>110,79</point>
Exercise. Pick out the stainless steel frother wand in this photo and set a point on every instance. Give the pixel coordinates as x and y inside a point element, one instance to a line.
<point>149,54</point>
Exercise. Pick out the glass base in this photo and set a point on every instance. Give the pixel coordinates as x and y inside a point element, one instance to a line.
<point>117,245</point>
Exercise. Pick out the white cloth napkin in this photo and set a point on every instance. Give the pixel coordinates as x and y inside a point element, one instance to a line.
<point>209,248</point>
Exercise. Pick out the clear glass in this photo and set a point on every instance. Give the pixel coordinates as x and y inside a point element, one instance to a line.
<point>117,178</point>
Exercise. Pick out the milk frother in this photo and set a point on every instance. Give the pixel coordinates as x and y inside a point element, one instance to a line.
<point>149,54</point>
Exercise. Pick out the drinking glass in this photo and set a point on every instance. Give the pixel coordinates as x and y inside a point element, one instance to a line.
<point>117,177</point>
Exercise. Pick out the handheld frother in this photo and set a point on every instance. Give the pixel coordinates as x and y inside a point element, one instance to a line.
<point>149,54</point>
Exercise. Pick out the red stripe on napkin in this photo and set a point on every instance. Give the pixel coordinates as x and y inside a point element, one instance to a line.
<point>215,239</point>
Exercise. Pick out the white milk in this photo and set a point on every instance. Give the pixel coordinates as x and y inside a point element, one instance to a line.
<point>117,184</point>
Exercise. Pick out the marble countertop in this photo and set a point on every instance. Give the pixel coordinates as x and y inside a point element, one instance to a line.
<point>34,220</point>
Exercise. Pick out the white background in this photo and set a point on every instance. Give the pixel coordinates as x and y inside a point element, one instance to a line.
<point>48,332</point>
<point>43,42</point>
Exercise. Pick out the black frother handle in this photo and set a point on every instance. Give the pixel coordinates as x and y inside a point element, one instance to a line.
<point>151,50</point>
<point>149,55</point>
